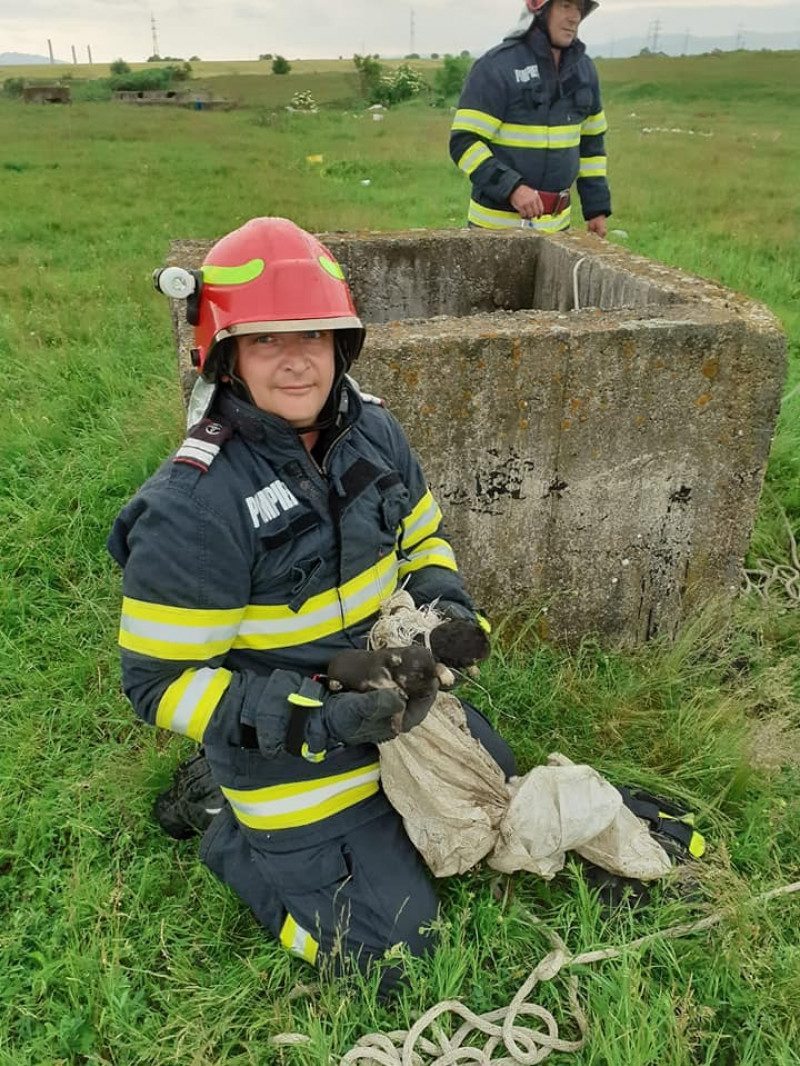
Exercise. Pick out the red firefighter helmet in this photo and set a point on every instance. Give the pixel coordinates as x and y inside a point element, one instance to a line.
<point>271,276</point>
<point>539,7</point>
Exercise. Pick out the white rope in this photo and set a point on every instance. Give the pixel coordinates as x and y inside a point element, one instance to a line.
<point>576,295</point>
<point>766,574</point>
<point>523,1046</point>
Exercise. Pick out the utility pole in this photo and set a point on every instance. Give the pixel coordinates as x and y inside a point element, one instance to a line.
<point>89,53</point>
<point>656,31</point>
<point>413,34</point>
<point>686,43</point>
<point>50,49</point>
<point>74,57</point>
<point>740,37</point>
<point>155,35</point>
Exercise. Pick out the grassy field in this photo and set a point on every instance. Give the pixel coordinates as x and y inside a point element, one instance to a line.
<point>115,946</point>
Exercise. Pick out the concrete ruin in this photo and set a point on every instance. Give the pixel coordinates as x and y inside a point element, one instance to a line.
<point>595,425</point>
<point>47,94</point>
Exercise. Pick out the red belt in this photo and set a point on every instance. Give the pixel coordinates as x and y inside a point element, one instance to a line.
<point>554,202</point>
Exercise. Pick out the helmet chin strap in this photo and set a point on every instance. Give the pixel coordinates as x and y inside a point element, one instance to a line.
<point>327,416</point>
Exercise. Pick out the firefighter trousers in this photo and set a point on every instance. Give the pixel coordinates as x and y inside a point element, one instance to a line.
<point>345,900</point>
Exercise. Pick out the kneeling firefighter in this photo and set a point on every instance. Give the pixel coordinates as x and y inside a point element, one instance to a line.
<point>258,551</point>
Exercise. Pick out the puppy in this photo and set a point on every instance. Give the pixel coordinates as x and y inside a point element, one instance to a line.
<point>413,670</point>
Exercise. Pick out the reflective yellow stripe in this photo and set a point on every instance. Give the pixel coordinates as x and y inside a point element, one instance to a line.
<point>187,705</point>
<point>304,802</point>
<point>267,627</point>
<point>424,519</point>
<point>302,701</point>
<point>484,623</point>
<point>513,135</point>
<point>479,122</point>
<point>432,552</point>
<point>298,941</point>
<point>233,275</point>
<point>312,756</point>
<point>594,124</point>
<point>489,218</point>
<point>476,154</point>
<point>176,633</point>
<point>595,166</point>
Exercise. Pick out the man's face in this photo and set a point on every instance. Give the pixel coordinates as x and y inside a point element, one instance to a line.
<point>288,374</point>
<point>563,19</point>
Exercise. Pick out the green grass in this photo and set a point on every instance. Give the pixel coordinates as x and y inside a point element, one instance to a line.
<point>115,945</point>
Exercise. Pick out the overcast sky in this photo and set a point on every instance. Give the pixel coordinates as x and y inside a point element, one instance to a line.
<point>241,29</point>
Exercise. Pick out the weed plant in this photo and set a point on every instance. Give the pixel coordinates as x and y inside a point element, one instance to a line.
<point>116,946</point>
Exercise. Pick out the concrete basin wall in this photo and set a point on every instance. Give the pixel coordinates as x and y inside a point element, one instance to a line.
<point>605,462</point>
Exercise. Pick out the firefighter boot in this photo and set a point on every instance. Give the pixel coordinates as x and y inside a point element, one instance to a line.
<point>188,806</point>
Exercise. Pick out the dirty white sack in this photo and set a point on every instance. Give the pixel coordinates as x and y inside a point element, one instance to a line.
<point>458,809</point>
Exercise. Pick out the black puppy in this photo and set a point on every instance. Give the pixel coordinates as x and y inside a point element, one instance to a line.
<point>413,670</point>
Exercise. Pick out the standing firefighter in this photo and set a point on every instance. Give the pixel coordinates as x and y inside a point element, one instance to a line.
<point>530,122</point>
<point>260,550</point>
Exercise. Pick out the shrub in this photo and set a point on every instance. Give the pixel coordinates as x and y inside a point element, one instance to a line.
<point>266,56</point>
<point>280,65</point>
<point>13,86</point>
<point>119,66</point>
<point>370,73</point>
<point>449,78</point>
<point>402,84</point>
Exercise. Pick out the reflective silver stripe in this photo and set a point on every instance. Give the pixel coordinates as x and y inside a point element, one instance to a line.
<point>440,555</point>
<point>538,137</point>
<point>166,633</point>
<point>473,157</point>
<point>502,220</point>
<point>290,622</point>
<point>594,124</point>
<point>187,705</point>
<point>286,806</point>
<point>423,525</point>
<point>195,450</point>
<point>593,168</point>
<point>479,122</point>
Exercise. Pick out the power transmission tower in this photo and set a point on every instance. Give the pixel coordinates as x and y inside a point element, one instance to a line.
<point>413,34</point>
<point>740,37</point>
<point>686,43</point>
<point>656,31</point>
<point>155,35</point>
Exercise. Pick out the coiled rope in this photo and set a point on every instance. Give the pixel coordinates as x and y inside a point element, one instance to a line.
<point>523,1046</point>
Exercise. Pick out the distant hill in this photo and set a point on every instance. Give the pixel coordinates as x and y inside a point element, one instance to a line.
<point>20,59</point>
<point>676,44</point>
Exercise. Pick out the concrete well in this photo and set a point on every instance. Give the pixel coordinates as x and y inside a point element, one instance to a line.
<point>603,459</point>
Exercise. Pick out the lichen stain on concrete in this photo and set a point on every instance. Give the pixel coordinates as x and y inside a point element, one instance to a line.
<point>710,368</point>
<point>566,423</point>
<point>640,420</point>
<point>704,400</point>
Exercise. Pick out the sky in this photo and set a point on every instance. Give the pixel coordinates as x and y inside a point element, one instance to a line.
<point>315,29</point>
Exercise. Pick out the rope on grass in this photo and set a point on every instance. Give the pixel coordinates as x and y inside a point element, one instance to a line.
<point>767,574</point>
<point>523,1046</point>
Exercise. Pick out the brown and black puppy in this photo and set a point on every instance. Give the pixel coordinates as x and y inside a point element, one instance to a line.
<point>413,670</point>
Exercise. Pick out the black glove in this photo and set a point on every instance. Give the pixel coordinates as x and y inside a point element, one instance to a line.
<point>364,717</point>
<point>459,644</point>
